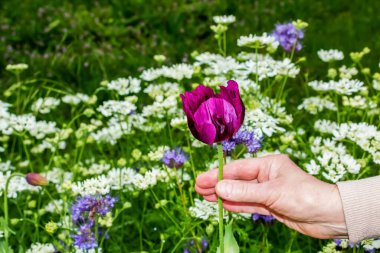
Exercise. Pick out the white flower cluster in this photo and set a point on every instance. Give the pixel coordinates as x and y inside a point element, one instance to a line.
<point>224,20</point>
<point>262,122</point>
<point>16,67</point>
<point>176,72</point>
<point>225,66</point>
<point>264,40</point>
<point>314,105</point>
<point>343,86</point>
<point>45,105</point>
<point>41,248</point>
<point>75,99</point>
<point>270,68</point>
<point>333,158</point>
<point>205,210</point>
<point>376,84</point>
<point>6,166</point>
<point>330,55</point>
<point>58,176</point>
<point>166,89</point>
<point>347,73</point>
<point>369,245</point>
<point>121,179</point>
<point>55,206</point>
<point>10,123</point>
<point>365,135</point>
<point>161,107</point>
<point>100,185</point>
<point>95,169</point>
<point>116,128</point>
<point>125,86</point>
<point>157,153</point>
<point>359,102</point>
<point>115,107</point>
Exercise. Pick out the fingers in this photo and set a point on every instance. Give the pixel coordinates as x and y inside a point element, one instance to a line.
<point>243,191</point>
<point>244,169</point>
<point>239,207</point>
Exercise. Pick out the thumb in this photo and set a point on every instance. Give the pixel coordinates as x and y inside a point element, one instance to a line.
<point>243,191</point>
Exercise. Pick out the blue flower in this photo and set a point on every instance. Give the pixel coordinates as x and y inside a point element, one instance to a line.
<point>174,158</point>
<point>85,239</point>
<point>91,205</point>
<point>265,218</point>
<point>248,138</point>
<point>84,212</point>
<point>288,36</point>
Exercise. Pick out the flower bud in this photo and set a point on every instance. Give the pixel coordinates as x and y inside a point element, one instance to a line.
<point>32,204</point>
<point>36,179</point>
<point>299,24</point>
<point>210,229</point>
<point>51,227</point>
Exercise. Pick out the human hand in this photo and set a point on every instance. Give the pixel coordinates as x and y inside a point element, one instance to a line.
<point>275,185</point>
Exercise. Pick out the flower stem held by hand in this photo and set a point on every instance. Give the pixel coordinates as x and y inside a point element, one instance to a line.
<point>220,202</point>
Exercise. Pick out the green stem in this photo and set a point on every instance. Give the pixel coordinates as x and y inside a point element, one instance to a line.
<point>225,44</point>
<point>6,217</point>
<point>220,202</point>
<point>97,233</point>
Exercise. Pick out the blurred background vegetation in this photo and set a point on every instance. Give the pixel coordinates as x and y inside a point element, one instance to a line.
<point>82,42</point>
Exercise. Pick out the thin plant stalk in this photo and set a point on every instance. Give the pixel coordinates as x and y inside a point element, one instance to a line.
<point>6,217</point>
<point>220,202</point>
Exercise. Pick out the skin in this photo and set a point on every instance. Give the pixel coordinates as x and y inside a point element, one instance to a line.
<point>275,185</point>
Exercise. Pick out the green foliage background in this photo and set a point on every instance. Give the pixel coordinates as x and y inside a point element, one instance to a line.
<point>84,42</point>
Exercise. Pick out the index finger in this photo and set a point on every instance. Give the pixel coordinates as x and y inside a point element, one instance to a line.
<point>244,169</point>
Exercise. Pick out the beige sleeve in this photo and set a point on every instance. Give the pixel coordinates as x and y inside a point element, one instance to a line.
<point>361,205</point>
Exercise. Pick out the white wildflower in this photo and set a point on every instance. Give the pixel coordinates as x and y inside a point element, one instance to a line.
<point>41,248</point>
<point>315,105</point>
<point>347,73</point>
<point>113,107</point>
<point>342,86</point>
<point>125,86</point>
<point>224,20</point>
<point>45,105</point>
<point>93,186</point>
<point>330,55</point>
<point>258,41</point>
<point>157,153</point>
<point>75,99</point>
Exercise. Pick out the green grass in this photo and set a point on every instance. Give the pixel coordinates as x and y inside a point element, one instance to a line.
<point>83,42</point>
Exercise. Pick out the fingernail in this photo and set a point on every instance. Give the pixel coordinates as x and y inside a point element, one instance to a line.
<point>223,189</point>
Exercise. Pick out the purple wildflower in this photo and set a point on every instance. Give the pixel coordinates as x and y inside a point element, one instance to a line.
<point>91,205</point>
<point>248,138</point>
<point>288,36</point>
<point>187,250</point>
<point>204,244</point>
<point>174,158</point>
<point>85,239</point>
<point>265,218</point>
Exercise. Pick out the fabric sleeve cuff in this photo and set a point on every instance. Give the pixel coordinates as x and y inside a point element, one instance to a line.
<point>361,205</point>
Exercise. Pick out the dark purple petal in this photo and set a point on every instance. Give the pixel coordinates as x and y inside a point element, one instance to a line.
<point>221,115</point>
<point>213,117</point>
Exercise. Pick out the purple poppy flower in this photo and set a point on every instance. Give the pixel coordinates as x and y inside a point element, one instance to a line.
<point>288,36</point>
<point>214,117</point>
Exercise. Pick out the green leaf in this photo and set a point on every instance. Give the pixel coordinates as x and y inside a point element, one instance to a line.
<point>230,243</point>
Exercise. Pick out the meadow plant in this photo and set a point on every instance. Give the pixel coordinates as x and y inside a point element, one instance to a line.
<point>117,166</point>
